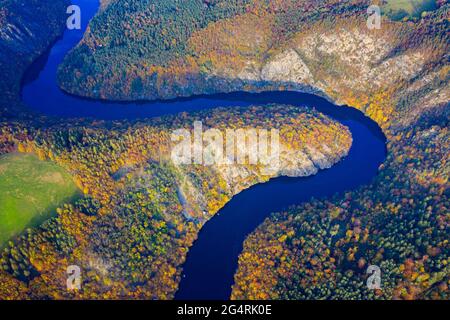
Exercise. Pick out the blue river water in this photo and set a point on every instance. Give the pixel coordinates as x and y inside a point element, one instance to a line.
<point>212,260</point>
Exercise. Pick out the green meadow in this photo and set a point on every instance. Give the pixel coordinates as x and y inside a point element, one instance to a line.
<point>30,192</point>
<point>398,9</point>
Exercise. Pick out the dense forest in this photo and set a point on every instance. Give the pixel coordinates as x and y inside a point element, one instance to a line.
<point>140,213</point>
<point>129,53</point>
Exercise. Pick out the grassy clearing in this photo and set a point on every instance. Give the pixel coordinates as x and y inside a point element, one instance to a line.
<point>30,191</point>
<point>399,9</point>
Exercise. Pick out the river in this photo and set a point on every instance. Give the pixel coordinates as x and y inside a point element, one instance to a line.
<point>212,260</point>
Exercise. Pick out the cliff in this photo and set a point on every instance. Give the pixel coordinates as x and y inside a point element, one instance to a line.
<point>142,211</point>
<point>297,45</point>
<point>27,28</point>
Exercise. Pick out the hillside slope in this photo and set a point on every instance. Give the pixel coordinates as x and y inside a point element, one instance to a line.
<point>23,38</point>
<point>141,211</point>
